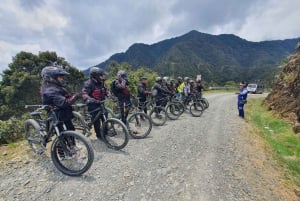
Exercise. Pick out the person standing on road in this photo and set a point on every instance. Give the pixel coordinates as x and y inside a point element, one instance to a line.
<point>143,93</point>
<point>123,93</point>
<point>93,92</point>
<point>242,98</point>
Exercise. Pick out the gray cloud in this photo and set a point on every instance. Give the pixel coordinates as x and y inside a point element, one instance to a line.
<point>87,32</point>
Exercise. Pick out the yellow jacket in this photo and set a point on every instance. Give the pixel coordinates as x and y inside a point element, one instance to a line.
<point>180,87</point>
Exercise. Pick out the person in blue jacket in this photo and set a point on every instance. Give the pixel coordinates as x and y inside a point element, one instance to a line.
<point>242,98</point>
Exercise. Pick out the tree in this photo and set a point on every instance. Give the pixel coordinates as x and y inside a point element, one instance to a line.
<point>20,83</point>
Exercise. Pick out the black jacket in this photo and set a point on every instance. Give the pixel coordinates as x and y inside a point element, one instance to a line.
<point>57,96</point>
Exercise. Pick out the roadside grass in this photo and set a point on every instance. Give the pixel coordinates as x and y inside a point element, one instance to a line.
<point>280,136</point>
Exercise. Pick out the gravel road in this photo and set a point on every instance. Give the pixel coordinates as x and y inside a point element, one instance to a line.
<point>212,157</point>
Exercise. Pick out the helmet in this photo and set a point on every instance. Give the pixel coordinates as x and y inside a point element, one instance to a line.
<point>122,73</point>
<point>192,81</point>
<point>50,74</point>
<point>95,72</point>
<point>179,78</point>
<point>186,78</point>
<point>165,79</point>
<point>158,79</point>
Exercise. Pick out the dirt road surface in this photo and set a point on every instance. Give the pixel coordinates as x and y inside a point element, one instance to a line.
<point>213,157</point>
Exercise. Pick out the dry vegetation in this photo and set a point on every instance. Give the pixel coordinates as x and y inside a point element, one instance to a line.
<point>285,96</point>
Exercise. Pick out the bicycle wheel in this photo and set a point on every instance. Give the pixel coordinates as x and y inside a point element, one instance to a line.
<point>174,110</point>
<point>34,136</point>
<point>116,134</point>
<point>80,124</point>
<point>140,125</point>
<point>158,116</point>
<point>72,153</point>
<point>196,109</point>
<point>205,103</point>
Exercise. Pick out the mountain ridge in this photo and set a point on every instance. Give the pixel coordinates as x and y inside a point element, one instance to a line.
<point>218,58</point>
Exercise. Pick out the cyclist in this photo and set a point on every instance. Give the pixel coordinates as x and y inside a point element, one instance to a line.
<point>160,93</point>
<point>199,88</point>
<point>179,87</point>
<point>94,91</point>
<point>143,93</point>
<point>54,94</point>
<point>186,90</point>
<point>166,85</point>
<point>121,85</point>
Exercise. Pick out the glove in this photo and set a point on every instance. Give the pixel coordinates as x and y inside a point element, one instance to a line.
<point>74,98</point>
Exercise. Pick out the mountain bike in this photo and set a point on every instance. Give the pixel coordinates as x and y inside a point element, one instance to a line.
<point>174,107</point>
<point>139,123</point>
<point>71,152</point>
<point>157,113</point>
<point>193,105</point>
<point>113,131</point>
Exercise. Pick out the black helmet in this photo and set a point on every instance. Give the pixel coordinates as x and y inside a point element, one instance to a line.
<point>50,74</point>
<point>122,73</point>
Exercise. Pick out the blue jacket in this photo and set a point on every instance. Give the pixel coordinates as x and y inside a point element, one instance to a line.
<point>242,96</point>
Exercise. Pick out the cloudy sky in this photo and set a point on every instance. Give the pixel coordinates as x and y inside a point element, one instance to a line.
<point>87,32</point>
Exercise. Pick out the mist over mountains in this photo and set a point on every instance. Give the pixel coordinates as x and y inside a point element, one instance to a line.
<point>218,58</point>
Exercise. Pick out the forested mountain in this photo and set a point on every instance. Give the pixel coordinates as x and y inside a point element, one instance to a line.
<point>218,58</point>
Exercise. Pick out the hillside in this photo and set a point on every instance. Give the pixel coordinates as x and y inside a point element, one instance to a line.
<point>218,58</point>
<point>285,96</point>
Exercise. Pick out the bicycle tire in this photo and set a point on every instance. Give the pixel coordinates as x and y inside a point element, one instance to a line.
<point>196,109</point>
<point>116,136</point>
<point>78,150</point>
<point>158,116</point>
<point>34,136</point>
<point>140,125</point>
<point>205,102</point>
<point>173,111</point>
<point>80,124</point>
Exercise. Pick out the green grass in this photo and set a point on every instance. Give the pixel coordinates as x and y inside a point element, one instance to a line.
<point>279,134</point>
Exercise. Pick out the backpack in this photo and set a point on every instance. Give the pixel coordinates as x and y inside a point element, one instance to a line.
<point>114,89</point>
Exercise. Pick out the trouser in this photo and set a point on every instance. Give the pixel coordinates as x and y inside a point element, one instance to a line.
<point>241,110</point>
<point>142,106</point>
<point>124,105</point>
<point>96,122</point>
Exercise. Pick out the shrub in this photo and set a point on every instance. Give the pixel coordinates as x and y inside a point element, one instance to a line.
<point>11,130</point>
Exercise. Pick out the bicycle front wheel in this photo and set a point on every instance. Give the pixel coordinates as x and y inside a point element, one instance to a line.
<point>115,134</point>
<point>34,136</point>
<point>140,125</point>
<point>174,110</point>
<point>158,116</point>
<point>196,109</point>
<point>72,153</point>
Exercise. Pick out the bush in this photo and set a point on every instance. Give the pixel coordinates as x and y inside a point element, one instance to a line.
<point>11,130</point>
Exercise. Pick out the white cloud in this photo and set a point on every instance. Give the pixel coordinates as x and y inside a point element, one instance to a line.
<point>87,32</point>
<point>8,50</point>
<point>273,20</point>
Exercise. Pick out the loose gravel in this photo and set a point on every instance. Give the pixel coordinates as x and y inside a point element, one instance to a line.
<point>212,157</point>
